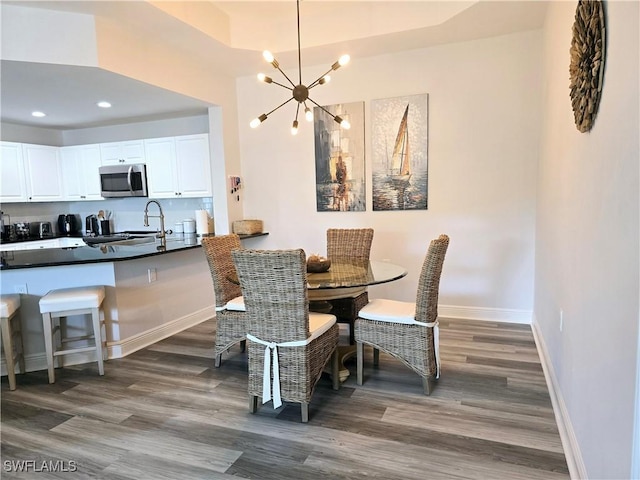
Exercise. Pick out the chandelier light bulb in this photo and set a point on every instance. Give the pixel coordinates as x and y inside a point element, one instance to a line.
<point>344,59</point>
<point>325,79</point>
<point>268,56</point>
<point>261,77</point>
<point>294,128</point>
<point>342,122</point>
<point>308,114</point>
<point>257,121</point>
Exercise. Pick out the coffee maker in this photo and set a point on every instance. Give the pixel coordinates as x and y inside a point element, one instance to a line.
<point>68,224</point>
<point>91,226</point>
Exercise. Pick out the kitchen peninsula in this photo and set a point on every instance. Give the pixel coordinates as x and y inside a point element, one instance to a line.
<point>152,290</point>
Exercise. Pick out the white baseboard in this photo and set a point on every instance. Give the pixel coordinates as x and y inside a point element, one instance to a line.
<point>38,361</point>
<point>487,314</point>
<point>129,345</point>
<point>577,468</point>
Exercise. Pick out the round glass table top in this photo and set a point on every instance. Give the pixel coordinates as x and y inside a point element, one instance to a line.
<point>346,274</point>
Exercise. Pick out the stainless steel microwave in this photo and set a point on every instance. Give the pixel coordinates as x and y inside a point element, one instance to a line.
<point>123,180</point>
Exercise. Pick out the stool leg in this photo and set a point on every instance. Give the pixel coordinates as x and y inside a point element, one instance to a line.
<point>7,344</point>
<point>97,333</point>
<point>21,364</point>
<point>48,345</point>
<point>56,326</point>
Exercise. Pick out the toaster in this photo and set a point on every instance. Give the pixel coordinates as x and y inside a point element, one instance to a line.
<point>40,230</point>
<point>46,230</point>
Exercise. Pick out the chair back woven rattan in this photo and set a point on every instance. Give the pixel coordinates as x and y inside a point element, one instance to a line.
<point>231,326</point>
<point>218,252</point>
<point>353,243</point>
<point>412,344</point>
<point>274,288</point>
<point>429,282</point>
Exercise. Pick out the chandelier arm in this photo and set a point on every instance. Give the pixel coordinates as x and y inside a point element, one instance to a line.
<point>322,108</point>
<point>281,85</point>
<point>281,105</point>
<point>315,83</point>
<point>285,76</point>
<point>297,111</point>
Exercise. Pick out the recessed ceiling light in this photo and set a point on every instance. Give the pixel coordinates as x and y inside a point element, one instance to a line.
<point>104,104</point>
<point>38,114</point>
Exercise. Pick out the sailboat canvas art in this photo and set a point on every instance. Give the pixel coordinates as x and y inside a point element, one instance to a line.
<point>339,155</point>
<point>400,140</point>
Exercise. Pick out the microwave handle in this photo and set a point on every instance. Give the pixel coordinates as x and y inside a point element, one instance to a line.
<point>129,172</point>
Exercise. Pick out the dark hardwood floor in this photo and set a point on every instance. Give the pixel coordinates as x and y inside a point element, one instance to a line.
<point>165,412</point>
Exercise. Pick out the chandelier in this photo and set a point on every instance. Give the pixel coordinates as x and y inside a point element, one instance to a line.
<point>300,92</point>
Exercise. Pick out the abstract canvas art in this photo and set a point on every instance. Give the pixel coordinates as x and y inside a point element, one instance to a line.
<point>400,141</point>
<point>339,156</point>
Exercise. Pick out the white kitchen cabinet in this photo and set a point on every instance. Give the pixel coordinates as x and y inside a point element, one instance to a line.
<point>162,181</point>
<point>13,185</point>
<point>194,165</point>
<point>179,166</point>
<point>81,179</point>
<point>43,173</point>
<point>122,152</point>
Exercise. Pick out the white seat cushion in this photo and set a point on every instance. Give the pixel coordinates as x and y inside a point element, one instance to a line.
<point>8,305</point>
<point>236,305</point>
<point>319,323</point>
<point>79,298</point>
<point>393,311</point>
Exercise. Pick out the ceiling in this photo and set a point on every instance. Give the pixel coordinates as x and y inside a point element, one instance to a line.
<point>234,39</point>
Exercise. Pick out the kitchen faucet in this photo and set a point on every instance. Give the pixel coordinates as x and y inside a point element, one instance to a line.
<point>161,234</point>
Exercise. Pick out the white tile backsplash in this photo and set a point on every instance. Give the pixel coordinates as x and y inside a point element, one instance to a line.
<point>128,213</point>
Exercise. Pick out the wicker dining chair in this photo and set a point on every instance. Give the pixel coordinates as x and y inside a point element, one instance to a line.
<point>231,318</point>
<point>405,330</point>
<point>274,288</point>
<point>352,244</point>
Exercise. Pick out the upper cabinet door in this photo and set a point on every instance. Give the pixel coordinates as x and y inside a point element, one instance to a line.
<point>81,179</point>
<point>194,165</point>
<point>122,152</point>
<point>13,186</point>
<point>70,165</point>
<point>162,180</point>
<point>91,161</point>
<point>43,173</point>
<point>179,166</point>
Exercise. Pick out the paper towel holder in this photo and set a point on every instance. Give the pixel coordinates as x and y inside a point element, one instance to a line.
<point>202,223</point>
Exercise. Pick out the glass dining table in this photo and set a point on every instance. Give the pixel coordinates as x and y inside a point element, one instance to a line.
<point>351,274</point>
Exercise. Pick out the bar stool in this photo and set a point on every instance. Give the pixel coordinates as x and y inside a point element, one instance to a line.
<point>62,303</point>
<point>11,328</point>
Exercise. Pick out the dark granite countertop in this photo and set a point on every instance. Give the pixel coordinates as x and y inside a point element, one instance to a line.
<point>97,253</point>
<point>90,254</point>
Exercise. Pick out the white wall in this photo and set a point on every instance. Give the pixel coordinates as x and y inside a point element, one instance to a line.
<point>485,110</point>
<point>587,246</point>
